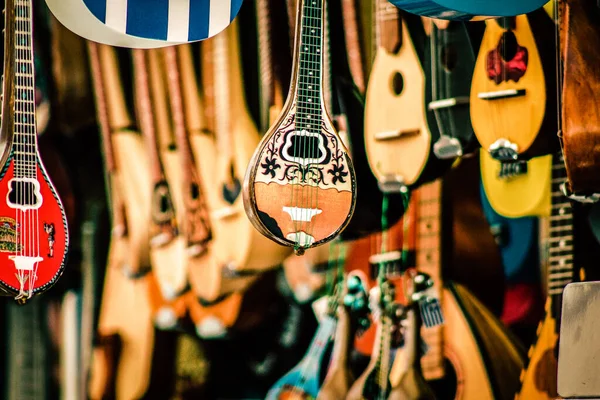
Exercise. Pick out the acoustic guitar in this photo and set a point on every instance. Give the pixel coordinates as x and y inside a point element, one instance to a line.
<point>515,75</point>
<point>449,61</point>
<point>300,186</point>
<point>580,117</point>
<point>399,143</point>
<point>466,10</point>
<point>137,24</point>
<point>456,361</point>
<point>539,379</point>
<point>36,237</point>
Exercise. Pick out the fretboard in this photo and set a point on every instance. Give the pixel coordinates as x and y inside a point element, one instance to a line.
<point>428,200</point>
<point>25,138</point>
<point>310,49</point>
<point>560,268</point>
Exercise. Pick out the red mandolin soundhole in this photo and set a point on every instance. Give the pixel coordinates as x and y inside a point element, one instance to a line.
<point>33,237</point>
<point>304,185</point>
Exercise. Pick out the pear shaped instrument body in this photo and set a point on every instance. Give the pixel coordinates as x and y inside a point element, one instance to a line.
<point>300,187</point>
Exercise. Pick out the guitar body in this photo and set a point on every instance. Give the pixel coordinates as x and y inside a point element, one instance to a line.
<point>34,236</point>
<point>395,106</point>
<point>539,380</point>
<point>517,239</point>
<point>509,85</point>
<point>449,61</point>
<point>521,195</point>
<point>139,24</point>
<point>473,337</point>
<point>465,10</point>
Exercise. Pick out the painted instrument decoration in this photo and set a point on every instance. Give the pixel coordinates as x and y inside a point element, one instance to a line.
<point>143,25</point>
<point>300,186</point>
<point>514,76</point>
<point>34,234</point>
<point>465,10</point>
<point>581,82</point>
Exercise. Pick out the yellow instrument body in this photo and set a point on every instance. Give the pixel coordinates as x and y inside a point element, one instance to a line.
<point>539,380</point>
<point>516,119</point>
<point>401,116</point>
<point>520,196</point>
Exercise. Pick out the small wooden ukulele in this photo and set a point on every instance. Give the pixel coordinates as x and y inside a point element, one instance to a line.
<point>35,235</point>
<point>539,380</point>
<point>303,381</point>
<point>300,186</point>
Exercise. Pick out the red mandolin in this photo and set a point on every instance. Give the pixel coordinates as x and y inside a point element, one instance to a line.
<point>33,231</point>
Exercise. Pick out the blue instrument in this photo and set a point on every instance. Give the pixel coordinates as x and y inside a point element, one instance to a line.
<point>466,10</point>
<point>517,239</point>
<point>303,382</point>
<point>145,23</point>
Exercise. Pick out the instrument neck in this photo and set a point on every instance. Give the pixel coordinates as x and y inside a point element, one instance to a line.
<point>429,261</point>
<point>309,75</point>
<point>560,268</point>
<point>353,43</point>
<point>25,137</point>
<point>386,29</point>
<point>314,356</point>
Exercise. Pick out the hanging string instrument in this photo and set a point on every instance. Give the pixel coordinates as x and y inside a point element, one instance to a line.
<point>455,363</point>
<point>345,73</point>
<point>303,381</point>
<point>580,117</point>
<point>449,61</point>
<point>300,186</point>
<point>137,24</point>
<point>466,10</point>
<point>539,379</point>
<point>399,144</point>
<point>36,236</point>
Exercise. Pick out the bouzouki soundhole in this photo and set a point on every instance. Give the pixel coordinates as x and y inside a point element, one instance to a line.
<point>397,84</point>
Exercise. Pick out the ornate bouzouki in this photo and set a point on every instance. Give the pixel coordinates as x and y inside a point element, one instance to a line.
<point>300,186</point>
<point>539,380</point>
<point>36,237</point>
<point>398,138</point>
<point>468,9</point>
<point>515,76</point>
<point>580,117</point>
<point>449,62</point>
<point>139,24</point>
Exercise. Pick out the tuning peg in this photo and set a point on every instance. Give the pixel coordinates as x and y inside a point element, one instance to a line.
<point>354,283</point>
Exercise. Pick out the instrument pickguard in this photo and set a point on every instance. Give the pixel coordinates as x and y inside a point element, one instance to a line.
<point>304,184</point>
<point>40,254</point>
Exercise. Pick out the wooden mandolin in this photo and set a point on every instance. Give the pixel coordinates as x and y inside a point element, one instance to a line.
<point>539,380</point>
<point>515,76</point>
<point>398,138</point>
<point>300,186</point>
<point>36,237</point>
